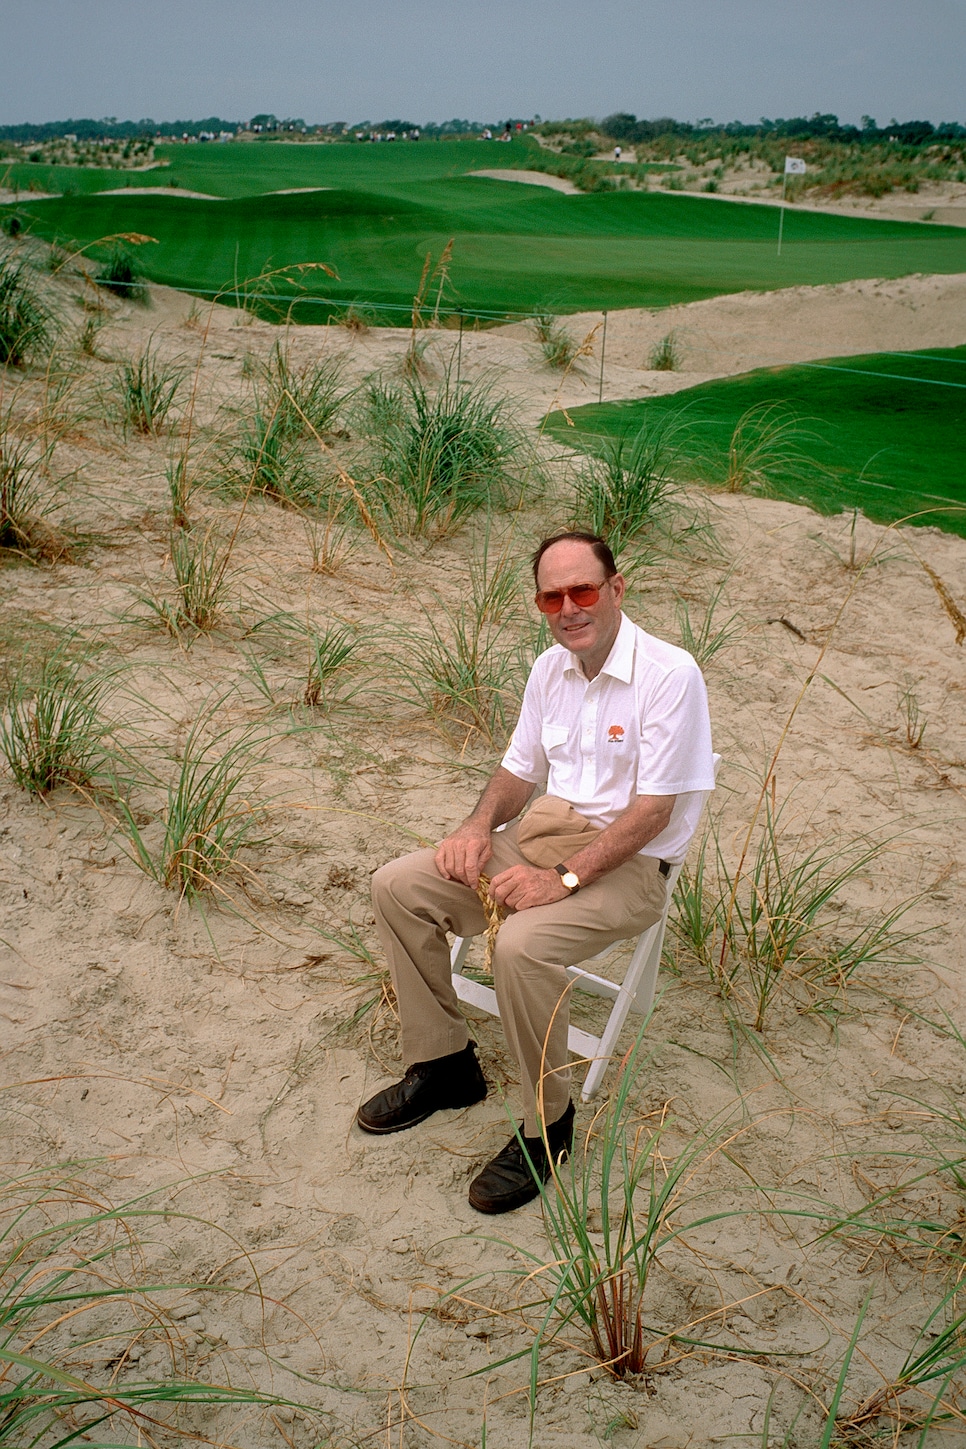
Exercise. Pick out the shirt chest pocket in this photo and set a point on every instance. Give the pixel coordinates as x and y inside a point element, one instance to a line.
<point>553,738</point>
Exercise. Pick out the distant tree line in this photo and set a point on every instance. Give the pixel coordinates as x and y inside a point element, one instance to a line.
<point>110,129</point>
<point>431,128</point>
<point>623,126</point>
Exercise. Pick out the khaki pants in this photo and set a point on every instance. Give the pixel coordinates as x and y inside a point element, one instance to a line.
<point>415,908</point>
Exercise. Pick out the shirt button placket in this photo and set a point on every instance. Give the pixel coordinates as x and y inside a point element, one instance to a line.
<point>588,739</point>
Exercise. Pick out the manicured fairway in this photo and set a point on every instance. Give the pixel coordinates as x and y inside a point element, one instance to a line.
<point>886,431</point>
<point>250,168</point>
<point>516,248</point>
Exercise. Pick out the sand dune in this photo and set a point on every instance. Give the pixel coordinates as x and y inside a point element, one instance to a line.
<point>209,1057</point>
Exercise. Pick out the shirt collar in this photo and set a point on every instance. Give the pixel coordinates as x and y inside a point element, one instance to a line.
<point>619,663</point>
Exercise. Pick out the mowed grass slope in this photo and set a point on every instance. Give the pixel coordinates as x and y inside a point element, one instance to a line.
<point>241,168</point>
<point>883,432</point>
<point>516,248</point>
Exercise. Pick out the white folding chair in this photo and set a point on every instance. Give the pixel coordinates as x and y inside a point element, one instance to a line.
<point>635,992</point>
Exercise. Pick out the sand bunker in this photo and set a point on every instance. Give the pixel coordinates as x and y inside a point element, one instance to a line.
<point>7,196</point>
<point>726,335</point>
<point>531,178</point>
<point>159,191</point>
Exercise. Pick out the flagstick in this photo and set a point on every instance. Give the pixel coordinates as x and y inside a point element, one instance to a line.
<point>781,214</point>
<point>603,348</point>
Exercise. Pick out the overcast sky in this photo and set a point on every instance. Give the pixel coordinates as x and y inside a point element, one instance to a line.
<point>425,60</point>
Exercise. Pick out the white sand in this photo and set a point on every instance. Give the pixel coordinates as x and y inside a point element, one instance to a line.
<point>725,335</point>
<point>531,178</point>
<point>212,1052</point>
<point>7,195</point>
<point>158,191</point>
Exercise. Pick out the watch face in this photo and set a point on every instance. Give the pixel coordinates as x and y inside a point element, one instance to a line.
<point>570,880</point>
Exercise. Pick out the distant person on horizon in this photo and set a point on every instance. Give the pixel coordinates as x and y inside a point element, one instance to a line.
<point>614,724</point>
<point>617,153</point>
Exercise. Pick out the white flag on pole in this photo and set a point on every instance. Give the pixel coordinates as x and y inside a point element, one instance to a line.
<point>794,166</point>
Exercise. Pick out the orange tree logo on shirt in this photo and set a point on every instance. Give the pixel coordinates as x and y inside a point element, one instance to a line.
<point>615,734</point>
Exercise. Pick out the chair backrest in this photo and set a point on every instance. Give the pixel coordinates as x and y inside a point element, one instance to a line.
<point>635,993</point>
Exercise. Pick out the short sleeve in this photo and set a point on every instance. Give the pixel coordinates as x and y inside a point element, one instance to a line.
<point>676,755</point>
<point>526,757</point>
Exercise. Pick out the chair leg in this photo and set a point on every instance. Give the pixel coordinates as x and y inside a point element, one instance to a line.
<point>595,1075</point>
<point>636,994</point>
<point>459,952</point>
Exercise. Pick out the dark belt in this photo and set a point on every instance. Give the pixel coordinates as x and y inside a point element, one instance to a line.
<point>664,867</point>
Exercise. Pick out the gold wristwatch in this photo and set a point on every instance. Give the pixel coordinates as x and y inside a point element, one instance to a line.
<point>570,879</point>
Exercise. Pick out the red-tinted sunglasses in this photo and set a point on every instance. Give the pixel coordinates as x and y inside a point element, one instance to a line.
<point>550,601</point>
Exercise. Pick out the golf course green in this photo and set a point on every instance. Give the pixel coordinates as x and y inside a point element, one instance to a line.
<point>883,433</point>
<point>516,249</point>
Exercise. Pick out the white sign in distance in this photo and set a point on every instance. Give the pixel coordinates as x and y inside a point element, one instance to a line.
<point>794,166</point>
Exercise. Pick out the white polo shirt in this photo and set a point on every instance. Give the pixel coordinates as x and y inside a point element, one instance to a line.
<point>640,728</point>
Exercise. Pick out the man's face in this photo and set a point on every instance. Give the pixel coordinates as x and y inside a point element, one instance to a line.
<point>589,633</point>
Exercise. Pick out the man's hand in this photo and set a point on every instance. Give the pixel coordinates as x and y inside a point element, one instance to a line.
<point>462,855</point>
<point>523,886</point>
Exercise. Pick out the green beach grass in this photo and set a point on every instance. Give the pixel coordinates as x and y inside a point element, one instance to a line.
<point>883,433</point>
<point>517,249</point>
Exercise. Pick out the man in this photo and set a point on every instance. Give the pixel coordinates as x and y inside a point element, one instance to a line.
<point>615,723</point>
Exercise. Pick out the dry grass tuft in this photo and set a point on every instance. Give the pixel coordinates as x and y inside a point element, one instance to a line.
<point>956,616</point>
<point>558,348</point>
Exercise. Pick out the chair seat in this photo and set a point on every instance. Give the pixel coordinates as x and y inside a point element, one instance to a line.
<point>634,993</point>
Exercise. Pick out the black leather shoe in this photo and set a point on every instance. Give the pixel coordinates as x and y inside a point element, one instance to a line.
<point>456,1080</point>
<point>509,1180</point>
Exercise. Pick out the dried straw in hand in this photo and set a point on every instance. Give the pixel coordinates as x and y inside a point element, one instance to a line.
<point>494,916</point>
